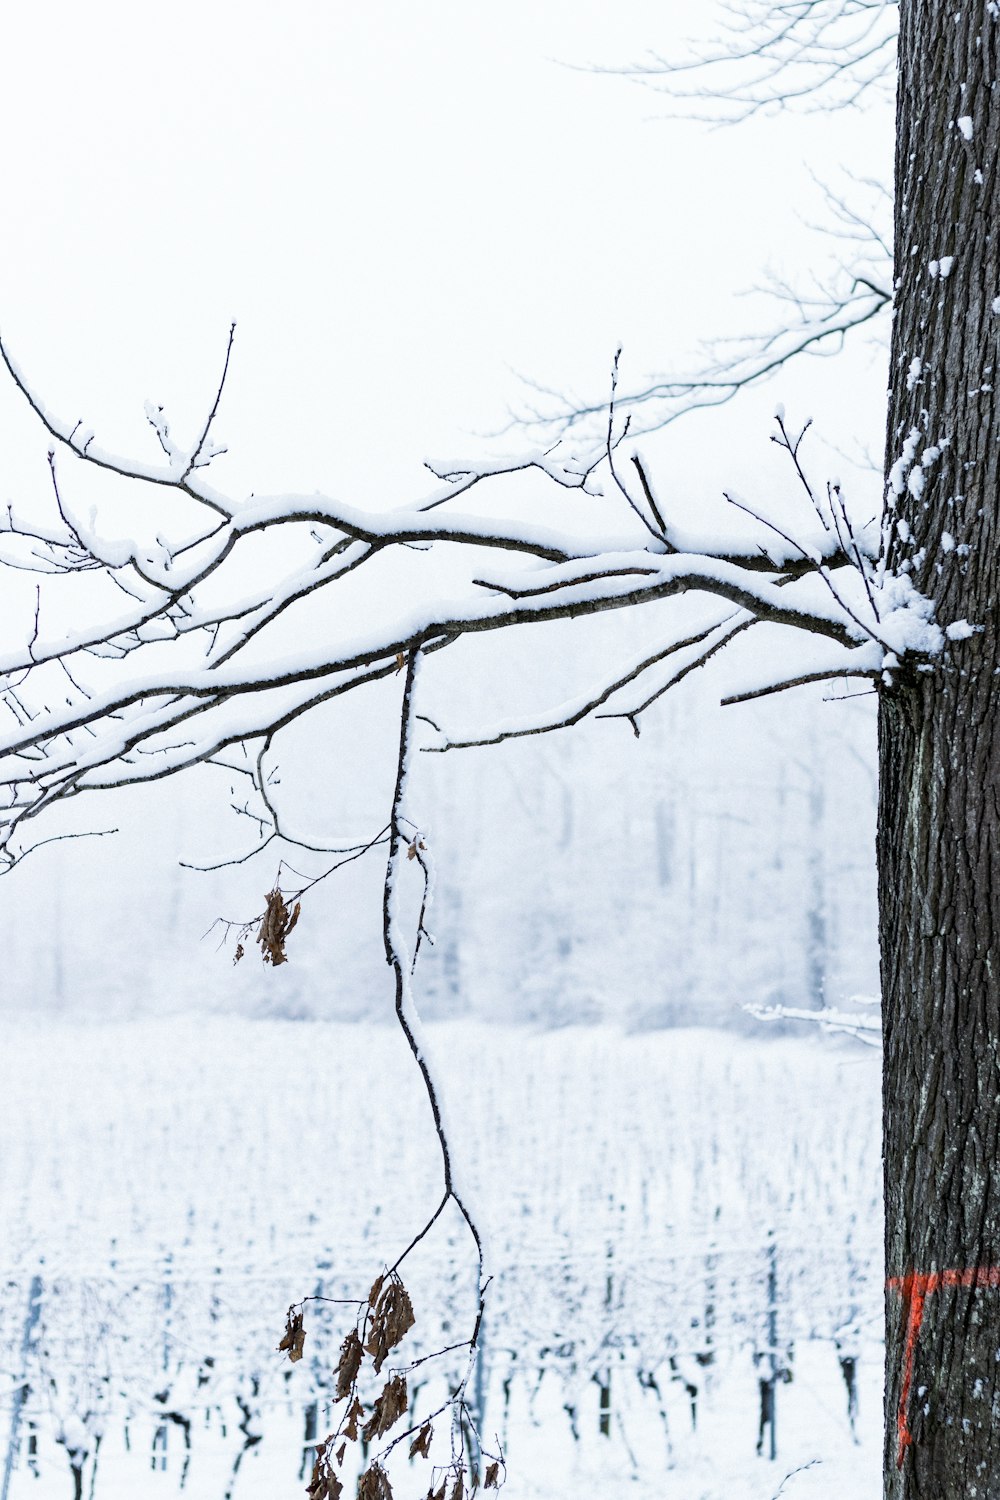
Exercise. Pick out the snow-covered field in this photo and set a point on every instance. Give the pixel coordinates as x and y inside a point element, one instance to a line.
<point>672,1217</point>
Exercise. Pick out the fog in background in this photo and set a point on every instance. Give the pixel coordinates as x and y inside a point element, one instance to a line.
<point>405,209</point>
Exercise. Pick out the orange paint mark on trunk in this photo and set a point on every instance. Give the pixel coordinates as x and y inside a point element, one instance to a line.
<point>914,1288</point>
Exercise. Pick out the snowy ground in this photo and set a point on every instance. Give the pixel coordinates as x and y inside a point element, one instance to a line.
<point>668,1214</point>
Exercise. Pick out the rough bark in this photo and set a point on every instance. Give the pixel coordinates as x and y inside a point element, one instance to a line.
<point>939,751</point>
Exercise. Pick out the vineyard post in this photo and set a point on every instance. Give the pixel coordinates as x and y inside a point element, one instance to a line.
<point>21,1394</point>
<point>772,1334</point>
<point>769,1381</point>
<point>604,1378</point>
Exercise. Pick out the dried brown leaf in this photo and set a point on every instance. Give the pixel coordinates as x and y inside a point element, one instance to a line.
<point>354,1416</point>
<point>324,1484</point>
<point>294,1336</point>
<point>340,1453</point>
<point>376,1288</point>
<point>392,1319</point>
<point>275,926</point>
<point>422,1442</point>
<point>438,1494</point>
<point>238,954</point>
<point>492,1480</point>
<point>351,1355</point>
<point>399,1317</point>
<point>458,1488</point>
<point>374,1484</point>
<point>388,1408</point>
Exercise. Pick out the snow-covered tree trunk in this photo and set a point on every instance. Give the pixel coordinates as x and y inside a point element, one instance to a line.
<point>939,747</point>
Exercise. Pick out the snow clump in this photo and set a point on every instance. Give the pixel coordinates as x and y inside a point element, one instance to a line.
<point>908,623</point>
<point>897,474</point>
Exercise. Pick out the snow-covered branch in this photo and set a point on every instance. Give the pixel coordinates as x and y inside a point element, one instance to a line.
<point>184,650</point>
<point>810,54</point>
<point>807,320</point>
<point>864,1025</point>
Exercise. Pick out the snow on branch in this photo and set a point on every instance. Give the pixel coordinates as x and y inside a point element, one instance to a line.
<point>694,650</point>
<point>849,289</point>
<point>173,660</point>
<point>865,1025</point>
<point>808,321</point>
<point>811,54</point>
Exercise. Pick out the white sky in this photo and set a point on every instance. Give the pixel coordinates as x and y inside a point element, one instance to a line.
<point>397,203</point>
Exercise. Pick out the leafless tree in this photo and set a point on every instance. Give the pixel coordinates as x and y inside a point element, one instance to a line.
<point>172,663</point>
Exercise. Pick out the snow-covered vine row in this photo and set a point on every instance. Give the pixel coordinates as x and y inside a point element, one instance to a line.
<point>675,1216</point>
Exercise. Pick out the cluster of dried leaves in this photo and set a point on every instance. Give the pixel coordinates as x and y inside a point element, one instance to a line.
<point>385,1319</point>
<point>295,1335</point>
<point>277,923</point>
<point>275,927</point>
<point>455,1477</point>
<point>391,1318</point>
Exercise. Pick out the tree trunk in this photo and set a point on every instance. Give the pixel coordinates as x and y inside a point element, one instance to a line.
<point>939,754</point>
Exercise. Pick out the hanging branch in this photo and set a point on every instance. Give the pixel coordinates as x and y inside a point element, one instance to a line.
<point>384,1318</point>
